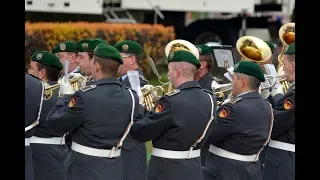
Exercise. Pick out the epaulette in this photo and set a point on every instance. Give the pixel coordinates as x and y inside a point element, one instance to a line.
<point>210,92</point>
<point>87,88</point>
<point>217,79</point>
<point>130,89</point>
<point>172,93</point>
<point>233,101</point>
<point>143,78</point>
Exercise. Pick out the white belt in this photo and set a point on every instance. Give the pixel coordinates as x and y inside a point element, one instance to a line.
<point>230,155</point>
<point>95,152</point>
<point>26,141</point>
<point>175,154</point>
<point>282,146</point>
<point>52,140</point>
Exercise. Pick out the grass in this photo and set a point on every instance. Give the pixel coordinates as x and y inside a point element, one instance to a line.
<point>154,81</point>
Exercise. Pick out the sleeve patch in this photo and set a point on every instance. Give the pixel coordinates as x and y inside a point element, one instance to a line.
<point>73,101</point>
<point>224,112</point>
<point>288,103</point>
<point>159,107</point>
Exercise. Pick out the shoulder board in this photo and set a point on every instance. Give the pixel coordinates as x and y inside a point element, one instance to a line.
<point>233,101</point>
<point>130,89</point>
<point>210,92</point>
<point>143,78</point>
<point>87,88</point>
<point>174,92</point>
<point>217,79</point>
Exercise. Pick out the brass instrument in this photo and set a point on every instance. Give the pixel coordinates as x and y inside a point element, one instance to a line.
<point>220,90</point>
<point>152,94</point>
<point>287,37</point>
<point>76,83</point>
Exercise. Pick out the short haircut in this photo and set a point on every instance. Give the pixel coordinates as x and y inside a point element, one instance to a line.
<point>52,73</point>
<point>253,82</point>
<point>109,67</point>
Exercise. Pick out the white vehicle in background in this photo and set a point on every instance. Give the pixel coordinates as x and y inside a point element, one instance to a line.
<point>198,21</point>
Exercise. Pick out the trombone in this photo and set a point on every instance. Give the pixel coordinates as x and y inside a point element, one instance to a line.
<point>287,37</point>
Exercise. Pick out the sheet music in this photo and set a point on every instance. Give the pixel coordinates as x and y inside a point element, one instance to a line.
<point>223,56</point>
<point>134,80</point>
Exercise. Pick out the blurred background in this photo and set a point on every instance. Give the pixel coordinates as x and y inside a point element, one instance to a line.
<point>154,23</point>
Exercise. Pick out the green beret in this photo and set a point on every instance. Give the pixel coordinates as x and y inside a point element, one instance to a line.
<point>106,51</point>
<point>183,56</point>
<point>249,68</point>
<point>86,45</point>
<point>67,46</point>
<point>271,46</point>
<point>99,40</point>
<point>47,58</point>
<point>204,49</point>
<point>291,49</point>
<point>128,46</point>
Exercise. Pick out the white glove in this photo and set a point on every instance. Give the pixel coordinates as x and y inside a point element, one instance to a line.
<point>265,93</point>
<point>66,88</point>
<point>74,75</point>
<point>141,99</point>
<point>228,76</point>
<point>277,90</point>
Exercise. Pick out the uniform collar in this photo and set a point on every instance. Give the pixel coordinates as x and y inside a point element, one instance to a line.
<point>189,84</point>
<point>249,94</point>
<point>52,82</point>
<point>111,80</point>
<point>206,78</point>
<point>76,70</point>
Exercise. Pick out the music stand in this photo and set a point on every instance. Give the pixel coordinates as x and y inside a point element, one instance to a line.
<point>223,56</point>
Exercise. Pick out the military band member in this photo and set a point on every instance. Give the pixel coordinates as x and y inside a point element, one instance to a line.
<point>280,158</point>
<point>97,116</point>
<point>48,148</point>
<point>178,123</point>
<point>204,77</point>
<point>133,152</point>
<point>269,61</point>
<point>34,90</point>
<point>85,48</point>
<point>67,50</point>
<point>241,129</point>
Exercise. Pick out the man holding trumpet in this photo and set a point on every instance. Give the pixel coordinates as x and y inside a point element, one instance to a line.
<point>241,130</point>
<point>280,157</point>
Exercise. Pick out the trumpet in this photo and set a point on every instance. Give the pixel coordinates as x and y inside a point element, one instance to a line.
<point>287,37</point>
<point>152,94</point>
<point>220,91</point>
<point>76,83</point>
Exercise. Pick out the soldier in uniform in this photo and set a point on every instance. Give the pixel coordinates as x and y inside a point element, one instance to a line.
<point>203,74</point>
<point>67,51</point>
<point>178,125</point>
<point>241,129</point>
<point>98,117</point>
<point>280,157</point>
<point>85,48</point>
<point>49,150</point>
<point>34,90</point>
<point>133,152</point>
<point>204,77</point>
<point>269,61</point>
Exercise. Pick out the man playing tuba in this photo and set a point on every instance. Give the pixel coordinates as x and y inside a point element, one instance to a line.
<point>179,123</point>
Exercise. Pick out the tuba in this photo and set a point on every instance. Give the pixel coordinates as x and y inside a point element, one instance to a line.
<point>76,82</point>
<point>256,50</point>
<point>287,37</point>
<point>152,94</point>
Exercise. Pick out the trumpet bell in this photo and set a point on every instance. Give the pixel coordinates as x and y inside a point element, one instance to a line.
<point>180,44</point>
<point>287,33</point>
<point>253,49</point>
